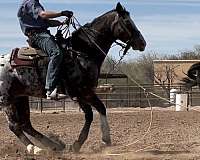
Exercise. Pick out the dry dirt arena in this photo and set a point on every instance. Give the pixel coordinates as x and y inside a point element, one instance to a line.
<point>173,135</point>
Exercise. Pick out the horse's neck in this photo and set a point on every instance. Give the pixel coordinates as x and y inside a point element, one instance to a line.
<point>102,27</point>
<point>95,39</point>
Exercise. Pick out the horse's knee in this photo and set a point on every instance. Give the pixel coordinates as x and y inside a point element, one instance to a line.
<point>88,113</point>
<point>101,109</point>
<point>98,105</point>
<point>89,117</point>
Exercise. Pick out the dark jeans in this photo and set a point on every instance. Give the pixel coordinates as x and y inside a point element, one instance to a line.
<point>47,44</point>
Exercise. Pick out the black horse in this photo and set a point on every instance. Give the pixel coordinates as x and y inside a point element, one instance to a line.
<point>192,77</point>
<point>90,44</point>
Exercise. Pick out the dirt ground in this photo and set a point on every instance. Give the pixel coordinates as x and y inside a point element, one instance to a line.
<point>173,135</point>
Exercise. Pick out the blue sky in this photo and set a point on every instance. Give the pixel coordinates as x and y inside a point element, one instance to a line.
<point>169,26</point>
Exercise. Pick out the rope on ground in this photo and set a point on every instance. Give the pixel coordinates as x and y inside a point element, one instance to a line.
<point>151,118</point>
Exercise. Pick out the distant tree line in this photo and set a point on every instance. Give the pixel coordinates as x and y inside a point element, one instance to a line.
<point>141,69</point>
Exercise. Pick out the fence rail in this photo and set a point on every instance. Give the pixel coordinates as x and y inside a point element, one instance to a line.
<point>122,96</point>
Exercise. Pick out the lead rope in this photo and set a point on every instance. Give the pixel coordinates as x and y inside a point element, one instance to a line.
<point>150,123</point>
<point>112,151</point>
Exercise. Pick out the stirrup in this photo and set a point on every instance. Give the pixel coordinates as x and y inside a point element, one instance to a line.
<point>54,95</point>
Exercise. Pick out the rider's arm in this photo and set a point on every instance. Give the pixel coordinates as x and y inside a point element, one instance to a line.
<point>54,23</point>
<point>38,10</point>
<point>49,14</point>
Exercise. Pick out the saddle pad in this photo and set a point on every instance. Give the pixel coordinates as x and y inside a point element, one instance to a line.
<point>15,61</point>
<point>28,53</point>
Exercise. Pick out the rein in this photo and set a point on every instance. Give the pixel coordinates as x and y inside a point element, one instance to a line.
<point>74,22</point>
<point>121,21</point>
<point>125,47</point>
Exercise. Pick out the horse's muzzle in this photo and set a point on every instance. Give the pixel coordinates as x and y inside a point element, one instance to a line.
<point>142,45</point>
<point>139,44</point>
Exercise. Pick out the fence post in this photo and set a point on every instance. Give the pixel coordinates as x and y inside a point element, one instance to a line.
<point>128,99</point>
<point>41,105</point>
<point>63,105</point>
<point>140,97</point>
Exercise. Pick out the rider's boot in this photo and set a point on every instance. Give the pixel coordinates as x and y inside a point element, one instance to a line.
<point>53,95</point>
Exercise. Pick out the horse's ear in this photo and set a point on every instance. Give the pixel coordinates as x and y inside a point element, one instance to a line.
<point>119,7</point>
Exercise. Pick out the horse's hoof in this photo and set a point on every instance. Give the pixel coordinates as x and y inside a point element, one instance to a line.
<point>30,149</point>
<point>35,150</point>
<point>76,147</point>
<point>107,142</point>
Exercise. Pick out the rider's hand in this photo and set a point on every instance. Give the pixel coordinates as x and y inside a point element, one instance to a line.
<point>67,13</point>
<point>66,22</point>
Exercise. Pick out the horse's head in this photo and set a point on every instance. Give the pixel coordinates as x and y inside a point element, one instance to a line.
<point>125,30</point>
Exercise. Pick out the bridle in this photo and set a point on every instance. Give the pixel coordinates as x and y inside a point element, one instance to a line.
<point>119,19</point>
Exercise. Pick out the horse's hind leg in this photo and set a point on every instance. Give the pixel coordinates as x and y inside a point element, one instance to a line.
<point>22,111</point>
<point>16,122</point>
<point>85,130</point>
<point>97,103</point>
<point>28,128</point>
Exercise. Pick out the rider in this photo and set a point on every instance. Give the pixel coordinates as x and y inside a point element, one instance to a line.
<point>34,21</point>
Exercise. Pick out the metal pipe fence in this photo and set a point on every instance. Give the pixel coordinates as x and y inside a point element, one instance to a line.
<point>122,96</point>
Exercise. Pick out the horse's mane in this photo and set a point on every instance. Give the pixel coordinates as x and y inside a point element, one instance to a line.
<point>102,16</point>
<point>81,34</point>
<point>97,19</point>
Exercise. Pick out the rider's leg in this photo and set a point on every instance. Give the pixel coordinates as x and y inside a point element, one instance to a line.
<point>47,43</point>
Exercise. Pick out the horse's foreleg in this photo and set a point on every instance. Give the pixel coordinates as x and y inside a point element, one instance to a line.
<point>97,103</point>
<point>85,130</point>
